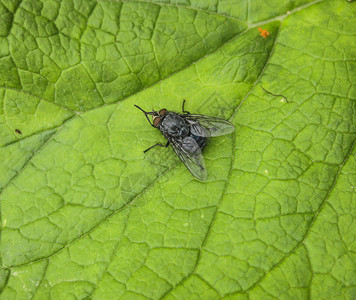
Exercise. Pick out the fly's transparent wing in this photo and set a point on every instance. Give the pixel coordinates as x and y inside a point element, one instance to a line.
<point>206,126</point>
<point>190,154</point>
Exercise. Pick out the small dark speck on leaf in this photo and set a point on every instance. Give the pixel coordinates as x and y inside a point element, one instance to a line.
<point>18,131</point>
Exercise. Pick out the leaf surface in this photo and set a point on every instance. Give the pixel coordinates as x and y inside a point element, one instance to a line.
<point>85,214</point>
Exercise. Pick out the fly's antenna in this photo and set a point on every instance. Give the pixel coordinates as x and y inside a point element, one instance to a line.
<point>284,98</point>
<point>146,113</point>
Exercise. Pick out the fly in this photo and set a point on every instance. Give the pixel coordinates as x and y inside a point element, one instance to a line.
<point>188,133</point>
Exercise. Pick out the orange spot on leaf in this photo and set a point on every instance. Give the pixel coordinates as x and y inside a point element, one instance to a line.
<point>263,32</point>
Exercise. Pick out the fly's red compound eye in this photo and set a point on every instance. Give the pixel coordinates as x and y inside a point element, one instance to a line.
<point>156,121</point>
<point>162,112</point>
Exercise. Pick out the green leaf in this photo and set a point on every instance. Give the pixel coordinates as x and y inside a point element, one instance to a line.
<point>85,214</point>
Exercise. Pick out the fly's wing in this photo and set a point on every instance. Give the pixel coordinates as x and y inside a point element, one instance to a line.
<point>190,154</point>
<point>206,126</point>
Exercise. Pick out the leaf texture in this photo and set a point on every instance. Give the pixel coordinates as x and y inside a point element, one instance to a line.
<point>85,214</point>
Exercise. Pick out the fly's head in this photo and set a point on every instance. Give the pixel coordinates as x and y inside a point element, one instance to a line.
<point>157,116</point>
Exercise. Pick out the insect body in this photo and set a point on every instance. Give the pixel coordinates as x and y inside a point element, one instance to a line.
<point>188,133</point>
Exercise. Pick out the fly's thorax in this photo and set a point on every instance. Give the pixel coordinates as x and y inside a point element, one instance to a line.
<point>174,125</point>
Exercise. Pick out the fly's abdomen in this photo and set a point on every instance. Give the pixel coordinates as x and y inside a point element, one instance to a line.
<point>201,141</point>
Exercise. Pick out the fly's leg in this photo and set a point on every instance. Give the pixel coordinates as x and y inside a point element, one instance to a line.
<point>184,111</point>
<point>147,113</point>
<point>158,144</point>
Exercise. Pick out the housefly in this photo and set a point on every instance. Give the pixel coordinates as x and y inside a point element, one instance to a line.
<point>188,133</point>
